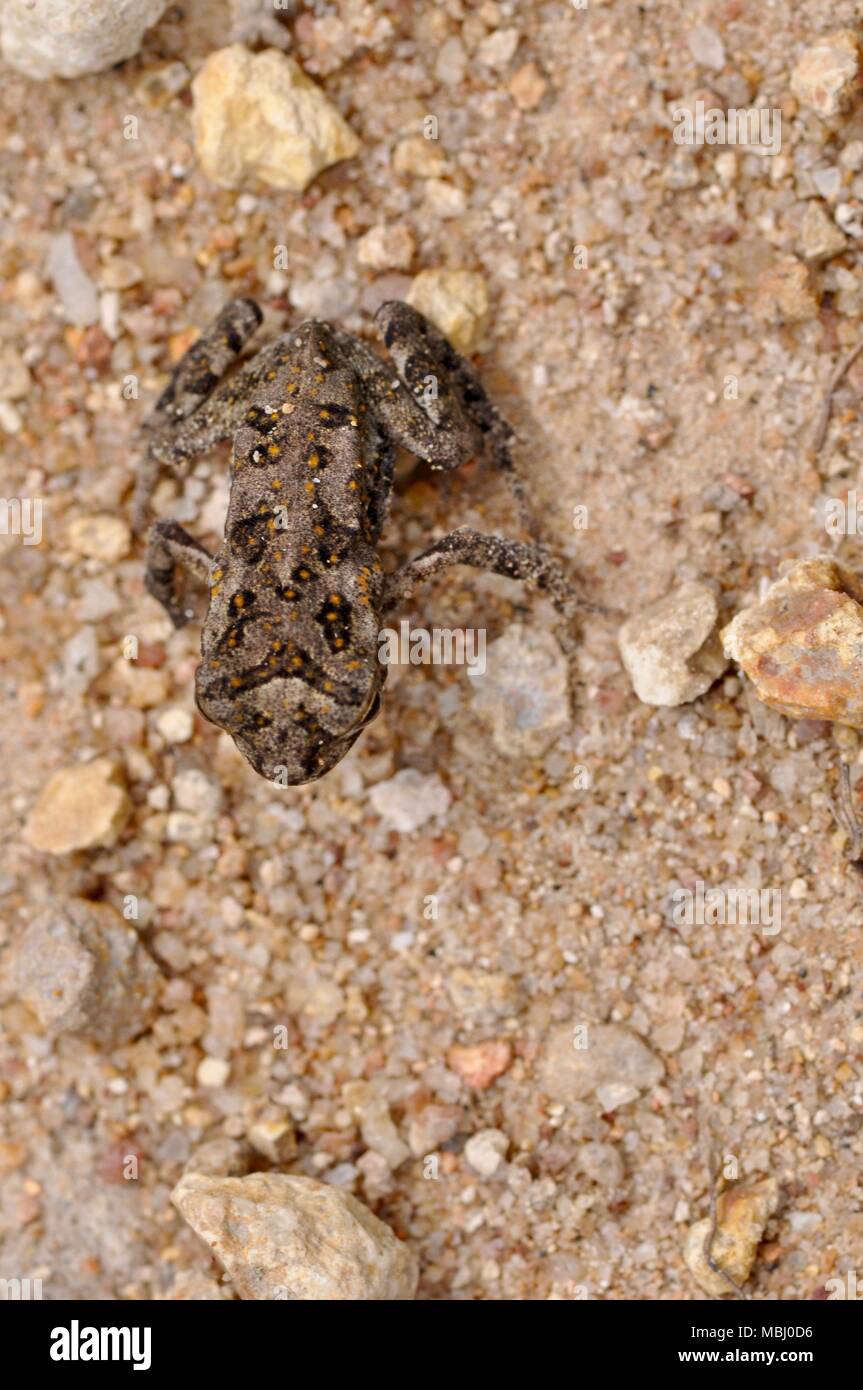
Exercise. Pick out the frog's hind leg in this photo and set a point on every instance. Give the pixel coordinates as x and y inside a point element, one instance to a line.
<point>172,555</point>
<point>191,415</point>
<point>515,559</point>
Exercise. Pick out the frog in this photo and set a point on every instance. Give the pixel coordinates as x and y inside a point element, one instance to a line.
<point>290,665</point>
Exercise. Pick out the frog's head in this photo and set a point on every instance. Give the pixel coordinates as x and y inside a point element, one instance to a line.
<point>288,732</point>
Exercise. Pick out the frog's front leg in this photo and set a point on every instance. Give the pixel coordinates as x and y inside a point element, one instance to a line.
<point>190,416</point>
<point>515,559</point>
<point>173,554</point>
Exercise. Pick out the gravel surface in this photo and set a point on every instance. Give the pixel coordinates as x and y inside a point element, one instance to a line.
<point>452,979</point>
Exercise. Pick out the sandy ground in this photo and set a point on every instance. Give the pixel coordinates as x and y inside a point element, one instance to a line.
<point>300,907</point>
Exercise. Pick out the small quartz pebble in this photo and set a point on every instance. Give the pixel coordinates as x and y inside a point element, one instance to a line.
<point>481,997</point>
<point>497,50</point>
<point>456,301</point>
<point>75,290</point>
<point>706,46</point>
<point>82,807</point>
<point>598,1058</point>
<point>742,1214</point>
<point>802,645</point>
<point>213,1072</point>
<point>479,1064</point>
<point>419,157</point>
<point>175,725</point>
<point>825,76</point>
<point>81,969</point>
<point>671,650</point>
<point>387,248</point>
<point>523,695</point>
<point>56,38</point>
<point>787,292</point>
<point>291,1238</point>
<point>485,1151</point>
<point>408,800</point>
<point>197,793</point>
<point>527,87</point>
<point>820,238</point>
<point>433,1126</point>
<point>258,116</point>
<point>274,1139</point>
<point>100,537</point>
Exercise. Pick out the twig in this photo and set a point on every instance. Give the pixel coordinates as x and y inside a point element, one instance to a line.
<point>833,384</point>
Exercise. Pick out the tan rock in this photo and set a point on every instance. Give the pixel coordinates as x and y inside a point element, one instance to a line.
<point>802,645</point>
<point>387,248</point>
<point>598,1058</point>
<point>787,292</point>
<point>292,1238</point>
<point>479,1064</point>
<point>100,537</point>
<point>274,1139</point>
<point>258,116</point>
<point>82,807</point>
<point>419,157</point>
<point>81,968</point>
<point>456,301</point>
<point>742,1214</point>
<point>826,76</point>
<point>527,87</point>
<point>671,649</point>
<point>820,238</point>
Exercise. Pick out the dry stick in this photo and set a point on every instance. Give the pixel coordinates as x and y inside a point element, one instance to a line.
<point>833,384</point>
<point>713,1171</point>
<point>845,814</point>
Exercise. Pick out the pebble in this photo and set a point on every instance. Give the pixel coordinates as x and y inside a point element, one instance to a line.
<point>419,157</point>
<point>456,301</point>
<point>802,645</point>
<point>274,1139</point>
<point>523,695</point>
<point>486,1150</point>
<point>742,1214</point>
<point>197,793</point>
<point>497,49</point>
<point>601,1163</point>
<point>706,47</point>
<point>849,217</point>
<point>81,807</point>
<point>615,1065</point>
<point>291,1238</point>
<point>527,87</point>
<point>479,1064</point>
<point>825,76</point>
<point>75,290</point>
<point>671,650</point>
<point>81,969</point>
<point>82,661</point>
<point>387,248</point>
<point>820,238</point>
<point>787,292</point>
<point>434,1126</point>
<point>481,997</point>
<point>53,38</point>
<point>175,725</point>
<point>100,537</point>
<point>14,375</point>
<point>258,116</point>
<point>213,1072</point>
<point>408,800</point>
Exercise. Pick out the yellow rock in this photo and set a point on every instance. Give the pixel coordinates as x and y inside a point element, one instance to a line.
<point>258,116</point>
<point>456,301</point>
<point>802,646</point>
<point>82,807</point>
<point>742,1214</point>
